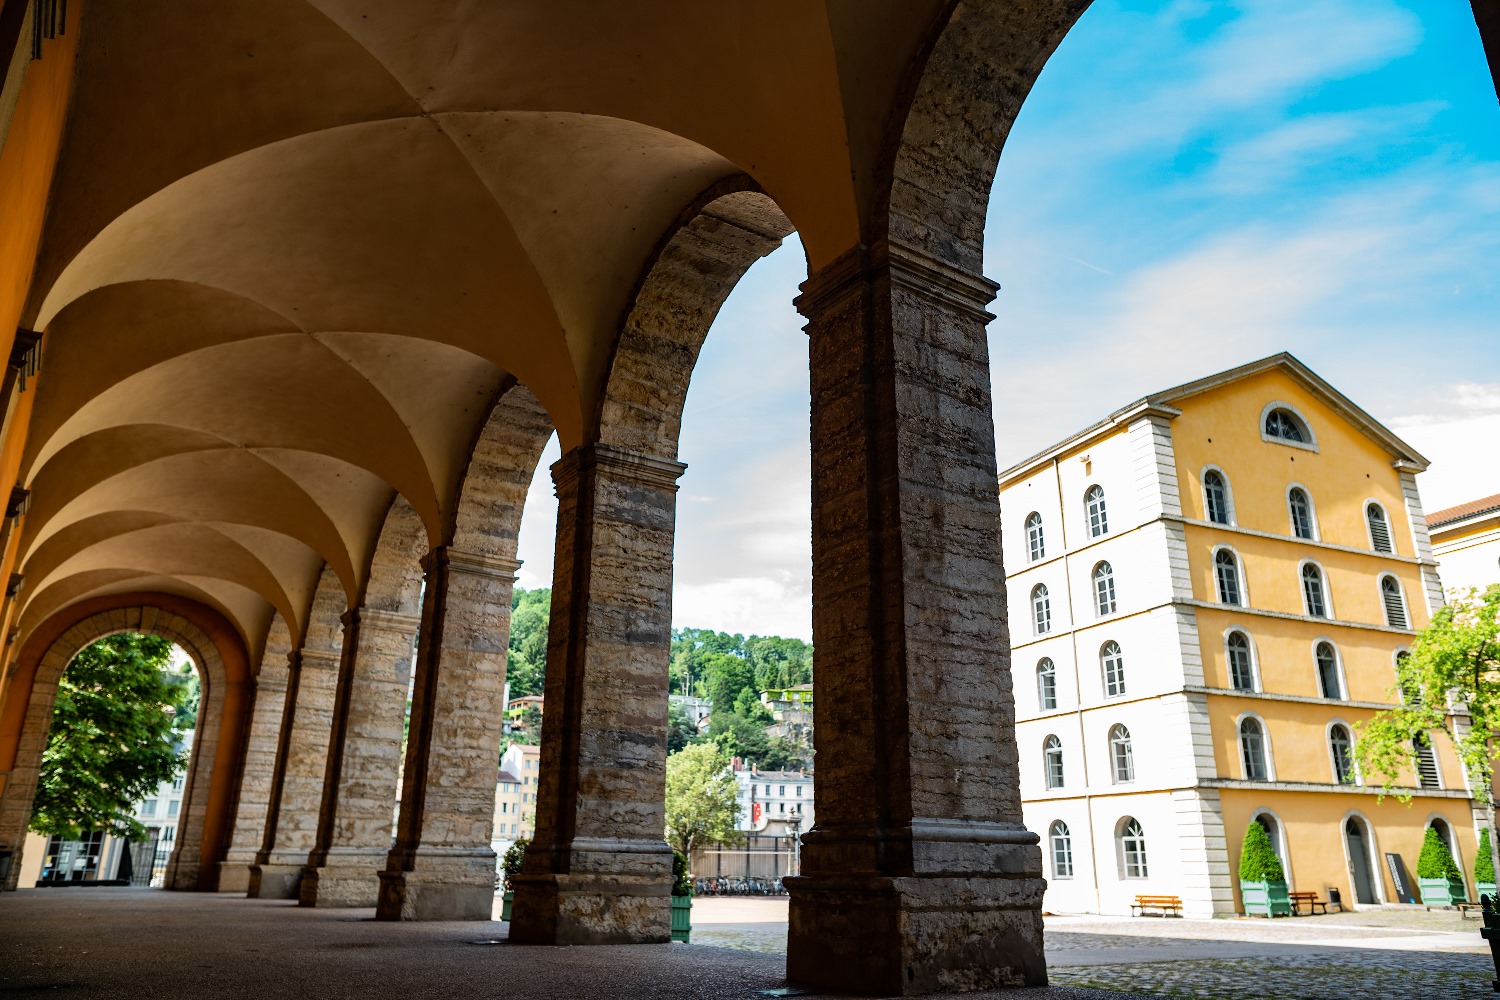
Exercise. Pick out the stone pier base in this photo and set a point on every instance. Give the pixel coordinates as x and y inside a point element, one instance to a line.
<point>591,909</point>
<point>908,936</point>
<point>348,878</point>
<point>440,888</point>
<point>234,876</point>
<point>275,881</point>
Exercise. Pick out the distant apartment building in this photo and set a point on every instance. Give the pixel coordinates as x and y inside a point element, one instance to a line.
<point>1466,541</point>
<point>515,795</point>
<point>792,708</point>
<point>774,803</point>
<point>1209,589</point>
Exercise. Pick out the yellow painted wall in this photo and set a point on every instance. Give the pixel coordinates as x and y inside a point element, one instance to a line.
<point>1314,835</point>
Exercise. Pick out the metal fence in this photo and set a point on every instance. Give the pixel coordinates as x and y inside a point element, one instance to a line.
<point>762,858</point>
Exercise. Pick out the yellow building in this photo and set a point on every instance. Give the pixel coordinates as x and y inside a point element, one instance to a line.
<point>1208,593</point>
<point>1466,542</point>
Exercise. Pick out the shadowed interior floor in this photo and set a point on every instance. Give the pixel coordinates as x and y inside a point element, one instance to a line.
<point>143,942</point>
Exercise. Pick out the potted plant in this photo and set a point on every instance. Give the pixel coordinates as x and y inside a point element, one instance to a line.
<point>1439,876</point>
<point>1484,866</point>
<point>682,898</point>
<point>515,856</point>
<point>1262,879</point>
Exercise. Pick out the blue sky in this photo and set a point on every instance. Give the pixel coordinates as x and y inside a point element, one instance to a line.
<point>1191,185</point>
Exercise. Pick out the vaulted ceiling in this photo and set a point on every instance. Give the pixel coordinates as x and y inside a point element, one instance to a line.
<point>294,249</point>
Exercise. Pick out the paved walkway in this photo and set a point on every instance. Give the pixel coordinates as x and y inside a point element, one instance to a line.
<point>1372,955</point>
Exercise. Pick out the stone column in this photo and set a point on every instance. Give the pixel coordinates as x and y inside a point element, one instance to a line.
<point>292,821</point>
<point>443,867</point>
<point>598,870</point>
<point>364,760</point>
<point>257,771</point>
<point>918,875</point>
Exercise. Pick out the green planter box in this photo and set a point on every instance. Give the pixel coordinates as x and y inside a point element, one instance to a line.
<point>1484,889</point>
<point>505,902</point>
<point>682,918</point>
<point>1266,899</point>
<point>1443,891</point>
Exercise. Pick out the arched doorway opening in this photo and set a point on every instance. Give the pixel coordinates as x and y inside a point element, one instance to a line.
<point>1364,879</point>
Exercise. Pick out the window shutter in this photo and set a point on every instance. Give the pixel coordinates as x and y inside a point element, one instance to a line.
<point>1380,530</point>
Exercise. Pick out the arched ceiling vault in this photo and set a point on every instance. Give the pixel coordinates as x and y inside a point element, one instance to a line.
<point>297,247</point>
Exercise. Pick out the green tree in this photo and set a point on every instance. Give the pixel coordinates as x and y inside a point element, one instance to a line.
<point>1436,861</point>
<point>186,693</point>
<point>1484,860</point>
<point>111,741</point>
<point>1454,661</point>
<point>680,729</point>
<point>526,661</point>
<point>702,798</point>
<point>1258,859</point>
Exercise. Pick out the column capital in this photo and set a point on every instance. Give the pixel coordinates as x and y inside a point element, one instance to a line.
<point>910,268</point>
<point>318,655</point>
<point>377,618</point>
<point>619,463</point>
<point>475,563</point>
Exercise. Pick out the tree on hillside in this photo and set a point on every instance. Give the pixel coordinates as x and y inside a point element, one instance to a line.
<point>702,798</point>
<point>680,729</point>
<point>526,662</point>
<point>1454,661</point>
<point>111,741</point>
<point>186,693</point>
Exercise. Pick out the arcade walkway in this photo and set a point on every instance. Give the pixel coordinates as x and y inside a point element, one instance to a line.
<point>142,942</point>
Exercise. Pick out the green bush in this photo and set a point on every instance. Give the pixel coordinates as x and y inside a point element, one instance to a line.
<point>1258,860</point>
<point>1436,861</point>
<point>682,883</point>
<point>515,856</point>
<point>1484,859</point>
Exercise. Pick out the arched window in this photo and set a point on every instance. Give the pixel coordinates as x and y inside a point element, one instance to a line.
<point>1253,750</point>
<point>1286,426</point>
<point>1427,764</point>
<point>1395,604</point>
<point>1093,502</point>
<point>1112,662</point>
<point>1227,576</point>
<point>1312,591</point>
<point>1046,684</point>
<point>1328,670</point>
<point>1052,761</point>
<point>1104,589</point>
<point>1036,548</point>
<point>1237,652</point>
<point>1132,848</point>
<point>1041,610</point>
<point>1121,756</point>
<point>1341,746</point>
<point>1299,505</point>
<point>1380,529</point>
<point>1216,496</point>
<point>1062,850</point>
<point>1411,689</point>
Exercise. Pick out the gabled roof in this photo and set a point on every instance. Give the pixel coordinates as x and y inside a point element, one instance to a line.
<point>1161,403</point>
<point>1484,505</point>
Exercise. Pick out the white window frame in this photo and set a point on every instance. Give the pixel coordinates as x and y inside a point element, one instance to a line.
<point>1311,444</point>
<point>1088,513</point>
<point>1114,761</point>
<point>1048,752</point>
<point>1040,590</point>
<point>1390,526</point>
<point>1052,853</point>
<point>1041,702</point>
<point>1039,551</point>
<point>1228,496</point>
<point>1268,757</point>
<point>1114,595</point>
<point>1254,658</point>
<point>1145,867</point>
<point>1338,668</point>
<point>1104,669</point>
<point>1400,595</point>
<point>1312,513</point>
<point>1327,591</point>
<point>1239,578</point>
<point>1333,763</point>
<point>1437,763</point>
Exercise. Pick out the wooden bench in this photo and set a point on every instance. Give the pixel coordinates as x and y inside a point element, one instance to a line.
<point>1464,908</point>
<point>1309,899</point>
<point>1163,904</point>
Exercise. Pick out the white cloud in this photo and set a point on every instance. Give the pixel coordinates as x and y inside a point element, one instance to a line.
<point>1462,453</point>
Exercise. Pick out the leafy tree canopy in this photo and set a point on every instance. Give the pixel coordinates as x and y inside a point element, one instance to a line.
<point>702,802</point>
<point>186,693</point>
<point>112,740</point>
<point>1484,859</point>
<point>1258,859</point>
<point>1436,861</point>
<point>698,656</point>
<point>526,662</point>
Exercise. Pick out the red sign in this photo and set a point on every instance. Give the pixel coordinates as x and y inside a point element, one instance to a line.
<point>755,812</point>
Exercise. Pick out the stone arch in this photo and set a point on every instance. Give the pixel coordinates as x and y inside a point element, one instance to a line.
<point>719,237</point>
<point>394,582</point>
<point>492,492</point>
<point>208,791</point>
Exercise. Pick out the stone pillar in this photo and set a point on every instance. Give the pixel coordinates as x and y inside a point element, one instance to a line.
<point>598,870</point>
<point>918,875</point>
<point>292,821</point>
<point>257,770</point>
<point>442,866</point>
<point>364,760</point>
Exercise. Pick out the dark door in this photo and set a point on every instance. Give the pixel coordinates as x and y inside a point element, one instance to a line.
<point>1359,862</point>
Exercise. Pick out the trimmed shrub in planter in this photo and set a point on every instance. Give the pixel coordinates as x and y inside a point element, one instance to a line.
<point>1438,874</point>
<point>1262,879</point>
<point>682,899</point>
<point>1484,866</point>
<point>515,856</point>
